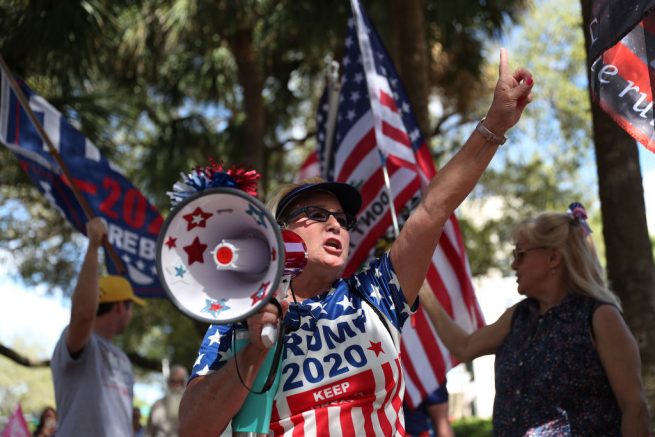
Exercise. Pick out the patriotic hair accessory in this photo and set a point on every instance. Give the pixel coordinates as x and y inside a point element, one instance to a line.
<point>212,176</point>
<point>577,212</point>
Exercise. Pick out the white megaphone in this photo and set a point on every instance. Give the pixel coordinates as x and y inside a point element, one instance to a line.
<point>221,256</point>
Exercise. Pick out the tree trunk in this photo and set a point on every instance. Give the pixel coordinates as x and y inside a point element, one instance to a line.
<point>411,57</point>
<point>630,267</point>
<point>250,78</point>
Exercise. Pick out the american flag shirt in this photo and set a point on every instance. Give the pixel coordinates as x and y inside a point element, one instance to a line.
<point>341,372</point>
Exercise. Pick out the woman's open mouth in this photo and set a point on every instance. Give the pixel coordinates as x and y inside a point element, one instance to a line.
<point>332,245</point>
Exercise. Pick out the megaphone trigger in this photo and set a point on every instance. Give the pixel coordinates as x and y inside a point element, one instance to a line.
<point>269,335</point>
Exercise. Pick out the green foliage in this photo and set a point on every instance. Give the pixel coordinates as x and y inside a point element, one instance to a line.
<point>460,30</point>
<point>547,164</point>
<point>562,107</point>
<point>159,86</point>
<point>39,241</point>
<point>473,427</point>
<point>508,193</point>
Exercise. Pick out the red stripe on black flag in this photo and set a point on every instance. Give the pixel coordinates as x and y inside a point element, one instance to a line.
<point>630,68</point>
<point>621,83</point>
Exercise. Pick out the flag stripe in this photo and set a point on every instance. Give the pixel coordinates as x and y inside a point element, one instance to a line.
<point>357,155</point>
<point>632,68</point>
<point>434,357</point>
<point>460,272</point>
<point>397,135</point>
<point>409,366</point>
<point>359,255</point>
<point>388,101</point>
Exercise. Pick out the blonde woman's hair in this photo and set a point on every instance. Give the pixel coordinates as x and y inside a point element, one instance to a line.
<point>285,189</point>
<point>566,234</point>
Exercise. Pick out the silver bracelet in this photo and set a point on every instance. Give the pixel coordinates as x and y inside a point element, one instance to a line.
<point>488,135</point>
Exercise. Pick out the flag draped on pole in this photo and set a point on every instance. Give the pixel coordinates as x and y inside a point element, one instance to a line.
<point>132,222</point>
<point>375,127</point>
<point>622,64</point>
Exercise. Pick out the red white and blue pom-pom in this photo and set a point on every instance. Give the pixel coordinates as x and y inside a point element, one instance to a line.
<point>212,176</point>
<point>579,214</point>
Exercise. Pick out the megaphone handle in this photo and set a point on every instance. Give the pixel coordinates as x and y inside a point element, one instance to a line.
<point>269,335</point>
<point>269,331</point>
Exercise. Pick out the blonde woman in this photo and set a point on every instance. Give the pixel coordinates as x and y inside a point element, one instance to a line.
<point>566,363</point>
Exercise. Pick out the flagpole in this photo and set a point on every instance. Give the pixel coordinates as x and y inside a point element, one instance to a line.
<point>334,88</point>
<point>367,63</point>
<point>88,212</point>
<point>392,206</point>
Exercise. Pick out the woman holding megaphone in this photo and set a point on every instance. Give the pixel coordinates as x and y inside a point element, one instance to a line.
<point>340,370</point>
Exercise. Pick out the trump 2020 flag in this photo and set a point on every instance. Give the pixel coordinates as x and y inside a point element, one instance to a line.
<point>622,58</point>
<point>132,222</point>
<point>375,124</point>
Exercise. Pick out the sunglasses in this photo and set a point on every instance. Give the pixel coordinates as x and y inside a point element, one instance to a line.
<point>318,214</point>
<point>518,254</point>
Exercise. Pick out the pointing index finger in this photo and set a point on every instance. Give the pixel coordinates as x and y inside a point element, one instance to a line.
<point>502,67</point>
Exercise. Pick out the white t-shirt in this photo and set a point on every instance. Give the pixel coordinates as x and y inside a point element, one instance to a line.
<point>94,391</point>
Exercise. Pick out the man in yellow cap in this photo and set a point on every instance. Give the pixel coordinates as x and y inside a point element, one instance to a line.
<point>93,377</point>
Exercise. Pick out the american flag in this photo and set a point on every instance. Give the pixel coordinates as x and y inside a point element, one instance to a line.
<point>375,124</point>
<point>132,221</point>
<point>309,168</point>
<point>622,62</point>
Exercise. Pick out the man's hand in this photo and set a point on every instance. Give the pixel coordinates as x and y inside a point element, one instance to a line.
<point>95,231</point>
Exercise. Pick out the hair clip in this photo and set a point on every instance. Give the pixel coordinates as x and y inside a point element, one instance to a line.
<point>577,212</point>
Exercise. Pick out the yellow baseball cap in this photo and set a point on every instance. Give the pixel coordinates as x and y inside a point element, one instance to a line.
<point>116,289</point>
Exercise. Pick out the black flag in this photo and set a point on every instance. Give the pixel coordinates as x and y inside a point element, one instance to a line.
<point>622,63</point>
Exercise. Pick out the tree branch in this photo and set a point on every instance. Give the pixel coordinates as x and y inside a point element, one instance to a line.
<point>22,360</point>
<point>136,359</point>
<point>447,116</point>
<point>278,146</point>
<point>144,362</point>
